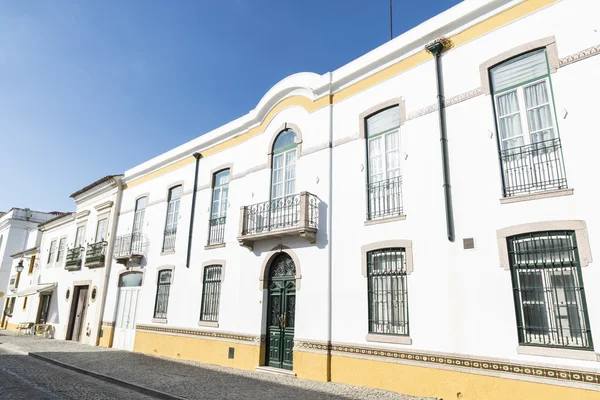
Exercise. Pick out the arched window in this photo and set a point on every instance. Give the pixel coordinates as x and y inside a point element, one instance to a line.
<point>172,218</point>
<point>162,293</point>
<point>211,293</point>
<point>530,149</point>
<point>284,165</point>
<point>131,279</point>
<point>384,174</point>
<point>140,211</point>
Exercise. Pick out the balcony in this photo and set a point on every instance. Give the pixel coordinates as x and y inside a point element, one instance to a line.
<point>385,198</point>
<point>293,215</point>
<point>96,255</point>
<point>130,248</point>
<point>534,168</point>
<point>74,258</point>
<point>169,240</point>
<point>216,231</point>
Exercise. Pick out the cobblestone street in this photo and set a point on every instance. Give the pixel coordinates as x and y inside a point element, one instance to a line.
<point>22,379</point>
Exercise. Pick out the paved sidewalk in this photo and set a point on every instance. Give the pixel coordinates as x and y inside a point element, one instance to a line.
<point>188,379</point>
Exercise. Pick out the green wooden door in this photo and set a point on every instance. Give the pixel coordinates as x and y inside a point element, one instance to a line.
<point>281,313</point>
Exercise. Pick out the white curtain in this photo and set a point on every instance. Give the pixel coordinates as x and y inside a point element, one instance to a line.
<point>510,120</point>
<point>290,172</point>
<point>392,147</point>
<point>376,171</point>
<point>539,116</point>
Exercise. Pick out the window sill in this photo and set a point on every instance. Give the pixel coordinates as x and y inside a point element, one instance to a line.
<point>374,337</point>
<point>536,196</point>
<point>214,246</point>
<point>588,355</point>
<point>159,320</point>
<point>385,220</point>
<point>167,252</point>
<point>211,324</point>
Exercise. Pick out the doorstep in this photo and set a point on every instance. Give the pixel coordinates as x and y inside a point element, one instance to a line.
<point>276,371</point>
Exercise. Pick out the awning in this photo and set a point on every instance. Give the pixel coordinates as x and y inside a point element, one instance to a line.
<point>42,288</point>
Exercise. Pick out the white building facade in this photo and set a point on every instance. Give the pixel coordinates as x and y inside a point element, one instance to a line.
<point>325,233</point>
<point>65,289</point>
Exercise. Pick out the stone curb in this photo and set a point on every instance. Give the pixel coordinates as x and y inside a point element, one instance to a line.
<point>140,389</point>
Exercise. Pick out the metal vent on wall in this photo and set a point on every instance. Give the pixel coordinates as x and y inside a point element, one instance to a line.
<point>468,243</point>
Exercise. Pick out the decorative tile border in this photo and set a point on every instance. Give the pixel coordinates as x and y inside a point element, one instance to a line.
<point>108,324</point>
<point>199,333</point>
<point>314,149</point>
<point>346,139</point>
<point>452,361</point>
<point>582,55</point>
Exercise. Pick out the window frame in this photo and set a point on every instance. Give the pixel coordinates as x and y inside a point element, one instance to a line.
<point>32,259</point>
<point>60,255</point>
<point>216,187</point>
<point>549,308</point>
<point>283,153</point>
<point>138,215</point>
<point>51,251</point>
<point>166,296</point>
<point>202,321</point>
<point>104,219</point>
<point>175,217</point>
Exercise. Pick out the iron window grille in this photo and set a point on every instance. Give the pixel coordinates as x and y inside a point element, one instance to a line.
<point>169,239</point>
<point>211,292</point>
<point>96,253</point>
<point>387,291</point>
<point>548,290</point>
<point>216,231</point>
<point>162,294</point>
<point>529,145</point>
<point>385,198</point>
<point>74,256</point>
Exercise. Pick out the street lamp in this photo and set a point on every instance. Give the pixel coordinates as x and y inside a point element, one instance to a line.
<point>20,266</point>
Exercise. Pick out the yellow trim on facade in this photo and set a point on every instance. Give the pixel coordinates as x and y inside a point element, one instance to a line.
<point>107,337</point>
<point>444,384</point>
<point>196,349</point>
<point>469,34</point>
<point>312,366</point>
<point>11,327</point>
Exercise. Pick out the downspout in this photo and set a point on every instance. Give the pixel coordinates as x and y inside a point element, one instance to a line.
<point>108,259</point>
<point>436,49</point>
<point>197,156</point>
<point>330,236</point>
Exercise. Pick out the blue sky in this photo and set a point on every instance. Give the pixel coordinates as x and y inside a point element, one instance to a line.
<point>91,88</point>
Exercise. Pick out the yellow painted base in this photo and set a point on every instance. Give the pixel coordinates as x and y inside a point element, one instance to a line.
<point>198,349</point>
<point>438,383</point>
<point>311,366</point>
<point>11,327</point>
<point>107,337</point>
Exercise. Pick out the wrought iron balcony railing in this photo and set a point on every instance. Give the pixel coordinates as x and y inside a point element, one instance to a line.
<point>296,214</point>
<point>216,231</point>
<point>74,258</point>
<point>385,198</point>
<point>537,167</point>
<point>130,247</point>
<point>169,239</point>
<point>95,254</point>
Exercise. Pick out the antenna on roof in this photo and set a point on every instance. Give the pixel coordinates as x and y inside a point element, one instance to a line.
<point>391,23</point>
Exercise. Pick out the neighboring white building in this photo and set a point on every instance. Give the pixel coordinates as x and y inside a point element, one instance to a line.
<point>18,232</point>
<point>66,287</point>
<point>332,238</point>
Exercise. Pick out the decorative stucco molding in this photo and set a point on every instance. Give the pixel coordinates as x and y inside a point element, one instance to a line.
<point>582,55</point>
<point>269,257</point>
<point>82,214</point>
<point>346,139</point>
<point>385,244</point>
<point>104,206</point>
<point>314,149</point>
<point>551,50</point>
<point>579,226</point>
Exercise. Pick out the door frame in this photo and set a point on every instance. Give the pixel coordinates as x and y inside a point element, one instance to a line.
<point>40,304</point>
<point>77,286</point>
<point>264,286</point>
<point>137,270</point>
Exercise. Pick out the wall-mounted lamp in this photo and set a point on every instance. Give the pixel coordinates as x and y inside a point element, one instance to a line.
<point>20,266</point>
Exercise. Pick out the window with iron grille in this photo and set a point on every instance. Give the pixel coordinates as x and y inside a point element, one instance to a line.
<point>548,290</point>
<point>162,294</point>
<point>387,292</point>
<point>384,186</point>
<point>211,292</point>
<point>530,148</point>
<point>218,215</point>
<point>172,218</point>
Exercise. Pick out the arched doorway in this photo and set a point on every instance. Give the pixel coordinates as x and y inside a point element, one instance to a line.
<point>281,312</point>
<point>129,290</point>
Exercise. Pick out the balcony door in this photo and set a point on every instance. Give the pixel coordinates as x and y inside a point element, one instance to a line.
<point>285,205</point>
<point>101,231</point>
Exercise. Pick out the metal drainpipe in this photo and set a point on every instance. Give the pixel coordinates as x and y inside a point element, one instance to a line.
<point>436,49</point>
<point>109,259</point>
<point>329,236</point>
<point>197,156</point>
